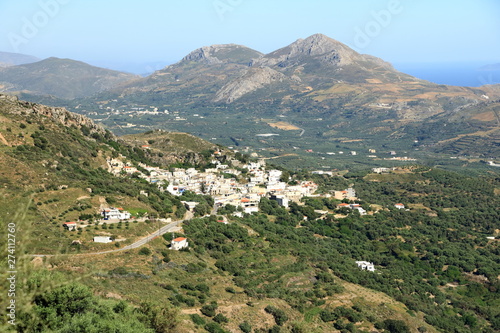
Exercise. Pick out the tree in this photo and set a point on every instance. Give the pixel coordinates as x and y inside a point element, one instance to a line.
<point>245,327</point>
<point>162,319</point>
<point>220,318</point>
<point>396,326</point>
<point>145,251</point>
<point>209,309</point>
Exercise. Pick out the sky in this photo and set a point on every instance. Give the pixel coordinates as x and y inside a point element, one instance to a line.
<point>148,34</point>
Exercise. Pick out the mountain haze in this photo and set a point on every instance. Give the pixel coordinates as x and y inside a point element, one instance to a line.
<point>317,71</point>
<point>12,59</point>
<point>321,86</point>
<point>62,78</point>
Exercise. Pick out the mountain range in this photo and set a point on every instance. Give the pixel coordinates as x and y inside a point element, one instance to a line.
<point>13,59</point>
<point>63,78</point>
<point>316,84</point>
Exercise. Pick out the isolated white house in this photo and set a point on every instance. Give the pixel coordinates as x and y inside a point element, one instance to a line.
<point>103,239</point>
<point>70,226</point>
<point>399,206</point>
<point>365,265</point>
<point>179,243</point>
<point>115,213</point>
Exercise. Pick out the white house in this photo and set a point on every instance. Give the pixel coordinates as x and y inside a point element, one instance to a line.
<point>70,226</point>
<point>281,200</point>
<point>381,170</point>
<point>103,239</point>
<point>115,213</point>
<point>190,205</point>
<point>179,243</point>
<point>365,265</point>
<point>399,206</point>
<point>251,209</point>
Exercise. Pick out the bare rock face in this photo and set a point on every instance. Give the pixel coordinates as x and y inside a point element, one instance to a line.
<point>224,53</point>
<point>59,115</point>
<point>253,79</point>
<point>321,47</point>
<point>204,55</point>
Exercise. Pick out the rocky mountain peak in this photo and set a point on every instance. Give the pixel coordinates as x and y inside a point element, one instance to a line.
<point>222,53</point>
<point>318,46</point>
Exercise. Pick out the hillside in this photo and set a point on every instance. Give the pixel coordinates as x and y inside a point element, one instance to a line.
<point>278,270</point>
<point>13,59</point>
<point>166,148</point>
<point>329,98</point>
<point>56,165</point>
<point>62,78</point>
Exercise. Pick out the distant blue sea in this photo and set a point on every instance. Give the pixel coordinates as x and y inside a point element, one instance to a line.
<point>468,75</point>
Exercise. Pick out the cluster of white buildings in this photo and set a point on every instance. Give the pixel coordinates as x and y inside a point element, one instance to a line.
<point>220,182</point>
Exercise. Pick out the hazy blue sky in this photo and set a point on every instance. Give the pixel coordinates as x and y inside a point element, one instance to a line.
<point>117,32</point>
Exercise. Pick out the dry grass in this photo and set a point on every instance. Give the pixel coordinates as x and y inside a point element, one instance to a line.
<point>485,116</point>
<point>283,125</point>
<point>373,81</point>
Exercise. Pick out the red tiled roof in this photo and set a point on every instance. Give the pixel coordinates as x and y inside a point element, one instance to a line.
<point>179,239</point>
<point>69,223</point>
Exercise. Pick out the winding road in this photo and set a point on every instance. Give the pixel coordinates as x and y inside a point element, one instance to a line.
<point>139,243</point>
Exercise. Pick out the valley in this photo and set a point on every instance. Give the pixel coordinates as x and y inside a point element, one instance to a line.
<point>309,189</point>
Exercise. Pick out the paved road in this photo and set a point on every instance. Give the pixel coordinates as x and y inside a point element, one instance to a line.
<point>139,243</point>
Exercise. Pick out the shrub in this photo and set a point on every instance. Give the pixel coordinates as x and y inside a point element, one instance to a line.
<point>220,318</point>
<point>214,328</point>
<point>245,327</point>
<point>396,326</point>
<point>209,309</point>
<point>279,315</point>
<point>145,251</point>
<point>197,319</point>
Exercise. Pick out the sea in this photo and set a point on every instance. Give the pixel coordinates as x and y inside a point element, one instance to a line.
<point>455,74</point>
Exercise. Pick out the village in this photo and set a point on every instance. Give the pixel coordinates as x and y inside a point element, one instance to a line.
<point>235,183</point>
<point>220,182</point>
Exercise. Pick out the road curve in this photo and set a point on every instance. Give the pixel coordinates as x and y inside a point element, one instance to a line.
<point>139,243</point>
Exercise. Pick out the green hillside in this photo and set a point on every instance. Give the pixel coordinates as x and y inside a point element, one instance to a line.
<point>279,270</point>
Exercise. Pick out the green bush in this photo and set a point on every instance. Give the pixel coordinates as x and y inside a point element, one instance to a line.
<point>145,251</point>
<point>197,319</point>
<point>209,309</point>
<point>245,327</point>
<point>220,318</point>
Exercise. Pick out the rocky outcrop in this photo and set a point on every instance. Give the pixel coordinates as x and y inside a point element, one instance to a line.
<point>321,47</point>
<point>204,55</point>
<point>253,79</point>
<point>11,104</point>
<point>224,53</point>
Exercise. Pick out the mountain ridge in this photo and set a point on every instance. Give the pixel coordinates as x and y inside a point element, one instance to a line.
<point>63,78</point>
<point>8,59</point>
